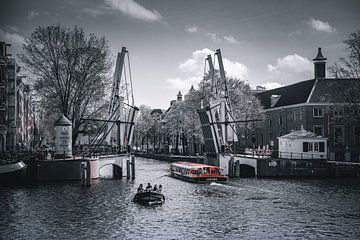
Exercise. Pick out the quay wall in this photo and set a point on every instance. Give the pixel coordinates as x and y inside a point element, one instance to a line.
<point>273,167</point>
<point>65,170</point>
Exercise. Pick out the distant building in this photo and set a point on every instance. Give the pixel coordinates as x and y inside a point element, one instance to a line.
<point>3,95</point>
<point>316,105</point>
<point>17,120</point>
<point>258,89</point>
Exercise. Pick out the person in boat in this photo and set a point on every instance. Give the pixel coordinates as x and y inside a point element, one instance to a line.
<point>140,188</point>
<point>155,189</point>
<point>160,188</point>
<point>148,187</point>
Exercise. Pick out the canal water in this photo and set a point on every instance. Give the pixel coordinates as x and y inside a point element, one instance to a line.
<point>238,209</point>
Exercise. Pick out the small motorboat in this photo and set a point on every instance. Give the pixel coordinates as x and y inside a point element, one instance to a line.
<point>149,198</point>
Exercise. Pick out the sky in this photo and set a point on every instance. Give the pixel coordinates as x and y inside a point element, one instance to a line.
<point>266,43</point>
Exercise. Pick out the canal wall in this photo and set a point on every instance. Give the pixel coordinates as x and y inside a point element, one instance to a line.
<point>273,167</point>
<point>65,170</point>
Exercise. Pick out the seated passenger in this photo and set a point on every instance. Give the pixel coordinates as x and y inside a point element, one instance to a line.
<point>155,188</point>
<point>140,188</point>
<point>160,188</point>
<point>148,187</point>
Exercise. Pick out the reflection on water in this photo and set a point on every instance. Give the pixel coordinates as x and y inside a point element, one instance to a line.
<point>238,209</point>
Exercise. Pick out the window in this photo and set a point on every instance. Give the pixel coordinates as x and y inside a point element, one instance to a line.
<point>295,114</point>
<point>338,135</point>
<point>318,112</point>
<point>280,120</point>
<point>338,112</point>
<point>270,136</point>
<point>357,135</point>
<point>316,146</point>
<point>302,114</point>
<point>313,147</point>
<point>318,130</point>
<point>269,120</point>
<point>310,147</point>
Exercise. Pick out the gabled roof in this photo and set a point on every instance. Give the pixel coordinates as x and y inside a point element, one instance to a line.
<point>301,134</point>
<point>334,90</point>
<point>331,90</point>
<point>157,111</point>
<point>290,95</point>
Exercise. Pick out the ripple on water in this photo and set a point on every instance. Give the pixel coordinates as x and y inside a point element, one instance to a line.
<point>237,209</point>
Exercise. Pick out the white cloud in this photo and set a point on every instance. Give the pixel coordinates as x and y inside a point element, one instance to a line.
<point>271,85</point>
<point>230,39</point>
<point>291,69</point>
<point>32,14</point>
<point>135,10</point>
<point>183,84</point>
<point>192,70</point>
<point>213,37</point>
<point>93,12</point>
<point>191,29</point>
<point>227,38</point>
<point>11,37</point>
<point>320,25</point>
<point>290,64</point>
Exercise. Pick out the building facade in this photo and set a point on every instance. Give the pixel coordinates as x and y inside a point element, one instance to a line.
<point>17,120</point>
<point>3,95</point>
<point>318,106</point>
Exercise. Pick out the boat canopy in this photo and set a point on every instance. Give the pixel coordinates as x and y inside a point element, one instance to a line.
<point>189,165</point>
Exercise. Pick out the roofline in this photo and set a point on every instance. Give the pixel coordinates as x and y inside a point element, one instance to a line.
<point>304,105</point>
<point>312,90</point>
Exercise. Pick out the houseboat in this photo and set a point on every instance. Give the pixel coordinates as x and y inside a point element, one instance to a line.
<point>195,172</point>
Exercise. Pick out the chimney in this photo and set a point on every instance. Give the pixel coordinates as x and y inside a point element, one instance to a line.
<point>274,99</point>
<point>319,65</point>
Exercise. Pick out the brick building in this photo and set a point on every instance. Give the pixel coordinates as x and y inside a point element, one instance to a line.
<point>17,120</point>
<point>319,106</point>
<point>3,95</point>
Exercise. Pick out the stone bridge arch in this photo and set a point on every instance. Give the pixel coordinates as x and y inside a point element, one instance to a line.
<point>118,162</point>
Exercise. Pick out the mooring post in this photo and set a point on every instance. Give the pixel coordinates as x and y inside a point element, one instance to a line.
<point>128,168</point>
<point>88,173</point>
<point>132,166</point>
<point>237,168</point>
<point>82,173</point>
<point>231,166</point>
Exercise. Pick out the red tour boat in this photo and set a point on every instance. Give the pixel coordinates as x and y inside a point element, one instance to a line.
<point>195,172</point>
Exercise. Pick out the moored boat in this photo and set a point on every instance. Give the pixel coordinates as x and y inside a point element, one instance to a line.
<point>149,198</point>
<point>195,172</point>
<point>12,172</point>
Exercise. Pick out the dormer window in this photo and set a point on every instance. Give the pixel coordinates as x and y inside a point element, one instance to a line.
<point>274,99</point>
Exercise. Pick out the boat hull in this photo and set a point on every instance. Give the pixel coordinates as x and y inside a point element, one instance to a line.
<point>199,179</point>
<point>149,198</point>
<point>14,173</point>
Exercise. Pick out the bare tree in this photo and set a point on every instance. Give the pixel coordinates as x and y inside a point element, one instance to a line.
<point>347,70</point>
<point>349,66</point>
<point>70,72</point>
